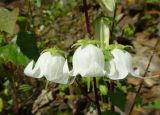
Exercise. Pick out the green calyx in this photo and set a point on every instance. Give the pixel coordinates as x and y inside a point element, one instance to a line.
<point>107,54</point>
<point>54,51</point>
<point>85,42</point>
<point>107,50</point>
<point>118,46</point>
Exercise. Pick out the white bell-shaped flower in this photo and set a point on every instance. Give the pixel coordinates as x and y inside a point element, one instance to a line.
<point>120,66</point>
<point>53,67</point>
<point>88,61</point>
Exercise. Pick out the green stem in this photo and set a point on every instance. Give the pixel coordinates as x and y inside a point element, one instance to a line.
<point>46,86</point>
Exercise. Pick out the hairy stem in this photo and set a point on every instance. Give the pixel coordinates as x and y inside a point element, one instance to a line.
<point>144,75</point>
<point>88,27</point>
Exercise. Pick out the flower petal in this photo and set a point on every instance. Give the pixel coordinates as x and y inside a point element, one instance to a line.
<point>112,72</point>
<point>32,72</point>
<point>28,69</point>
<point>94,70</point>
<point>57,70</point>
<point>120,62</point>
<point>42,63</point>
<point>88,61</point>
<point>129,61</point>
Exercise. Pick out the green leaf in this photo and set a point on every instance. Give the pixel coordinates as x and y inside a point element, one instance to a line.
<point>8,20</point>
<point>2,41</point>
<point>117,98</point>
<point>27,43</point>
<point>138,100</point>
<point>153,105</point>
<point>153,1</point>
<point>110,113</point>
<point>62,87</point>
<point>12,53</point>
<point>128,30</point>
<point>103,89</point>
<point>1,104</point>
<point>25,88</point>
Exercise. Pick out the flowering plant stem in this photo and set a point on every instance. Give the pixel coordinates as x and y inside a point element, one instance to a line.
<point>113,24</point>
<point>111,83</point>
<point>96,96</point>
<point>111,88</point>
<point>46,85</point>
<point>89,32</point>
<point>88,27</point>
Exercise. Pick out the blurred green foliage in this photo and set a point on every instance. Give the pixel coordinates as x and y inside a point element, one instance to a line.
<point>8,20</point>
<point>13,54</point>
<point>155,104</point>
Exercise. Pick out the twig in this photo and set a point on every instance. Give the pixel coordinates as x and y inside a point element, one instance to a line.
<point>144,75</point>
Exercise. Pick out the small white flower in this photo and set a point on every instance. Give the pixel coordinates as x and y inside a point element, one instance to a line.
<point>53,67</point>
<point>120,66</point>
<point>88,61</point>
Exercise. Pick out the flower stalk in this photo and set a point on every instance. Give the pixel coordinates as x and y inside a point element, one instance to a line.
<point>88,27</point>
<point>89,32</point>
<point>46,85</point>
<point>111,40</point>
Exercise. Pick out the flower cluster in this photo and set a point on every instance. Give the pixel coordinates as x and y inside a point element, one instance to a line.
<point>88,61</point>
